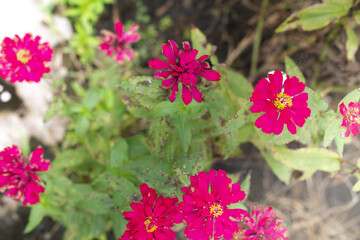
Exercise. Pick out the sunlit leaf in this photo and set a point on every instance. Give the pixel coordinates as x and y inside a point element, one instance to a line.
<point>308,159</point>
<point>293,70</point>
<point>316,16</point>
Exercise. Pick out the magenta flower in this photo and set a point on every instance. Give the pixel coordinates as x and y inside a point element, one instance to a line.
<point>205,206</point>
<point>19,175</point>
<point>351,118</point>
<point>24,59</point>
<point>263,225</point>
<point>152,218</point>
<point>183,68</point>
<point>118,45</point>
<point>283,101</point>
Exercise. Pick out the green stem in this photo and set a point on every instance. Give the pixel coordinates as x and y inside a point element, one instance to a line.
<point>258,31</point>
<point>323,52</point>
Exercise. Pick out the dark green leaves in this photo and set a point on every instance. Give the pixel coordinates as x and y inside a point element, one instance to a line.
<point>119,153</point>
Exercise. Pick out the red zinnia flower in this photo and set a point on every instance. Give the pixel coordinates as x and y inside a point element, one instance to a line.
<point>183,68</point>
<point>351,118</point>
<point>18,174</point>
<point>152,218</point>
<point>119,44</point>
<point>24,59</point>
<point>283,101</point>
<point>205,206</point>
<point>263,225</point>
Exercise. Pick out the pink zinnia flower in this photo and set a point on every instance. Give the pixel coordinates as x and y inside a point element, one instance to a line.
<point>263,225</point>
<point>283,101</point>
<point>351,118</point>
<point>183,68</point>
<point>205,206</point>
<point>152,218</point>
<point>19,175</point>
<point>118,45</point>
<point>24,59</point>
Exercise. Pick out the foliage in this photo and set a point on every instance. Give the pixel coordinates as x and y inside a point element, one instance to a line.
<point>123,131</point>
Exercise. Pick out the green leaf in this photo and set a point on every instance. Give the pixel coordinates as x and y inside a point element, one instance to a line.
<point>293,70</point>
<point>118,223</point>
<point>166,108</point>
<point>238,84</point>
<point>181,124</point>
<point>96,203</point>
<point>339,141</point>
<point>36,215</point>
<point>119,153</point>
<point>332,130</point>
<point>356,187</point>
<point>282,171</point>
<point>308,159</point>
<point>238,205</point>
<point>315,102</point>
<point>245,185</point>
<point>183,177</point>
<point>82,125</point>
<point>316,16</point>
<point>357,16</point>
<point>353,96</point>
<point>199,42</point>
<point>352,43</point>
<point>91,98</point>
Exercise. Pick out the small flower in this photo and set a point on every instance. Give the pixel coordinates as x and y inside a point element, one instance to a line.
<point>262,225</point>
<point>24,59</point>
<point>19,175</point>
<point>205,206</point>
<point>152,218</point>
<point>118,44</point>
<point>351,118</point>
<point>183,68</point>
<point>283,101</point>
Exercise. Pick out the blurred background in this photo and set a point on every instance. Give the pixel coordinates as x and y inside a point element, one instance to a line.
<point>321,207</point>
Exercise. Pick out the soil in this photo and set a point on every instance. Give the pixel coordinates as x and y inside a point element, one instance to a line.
<point>321,207</point>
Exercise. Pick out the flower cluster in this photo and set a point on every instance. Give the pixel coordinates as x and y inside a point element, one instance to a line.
<point>206,213</point>
<point>19,175</point>
<point>262,225</point>
<point>118,45</point>
<point>24,59</point>
<point>351,118</point>
<point>283,101</point>
<point>183,68</point>
<point>151,218</point>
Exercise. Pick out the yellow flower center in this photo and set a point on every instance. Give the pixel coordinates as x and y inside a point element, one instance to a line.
<point>216,210</point>
<point>23,56</point>
<point>150,226</point>
<point>352,115</point>
<point>282,101</point>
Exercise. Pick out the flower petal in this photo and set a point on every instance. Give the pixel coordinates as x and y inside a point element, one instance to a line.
<point>186,95</point>
<point>168,52</point>
<point>210,75</point>
<point>158,64</point>
<point>119,28</point>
